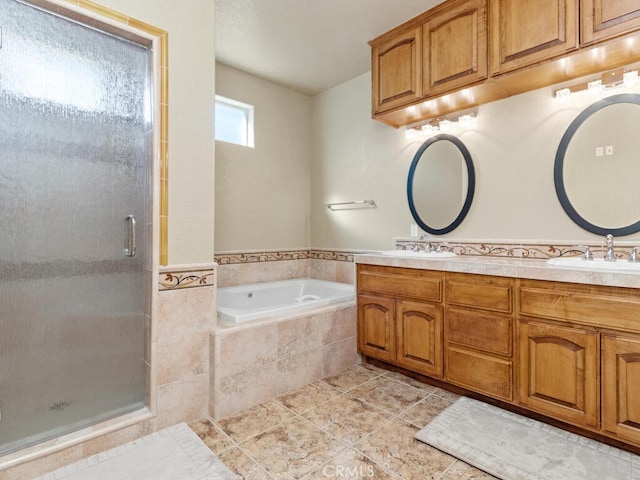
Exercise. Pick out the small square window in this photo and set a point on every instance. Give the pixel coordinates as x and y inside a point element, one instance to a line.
<point>234,122</point>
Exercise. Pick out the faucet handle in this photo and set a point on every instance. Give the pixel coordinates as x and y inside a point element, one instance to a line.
<point>633,258</point>
<point>587,255</point>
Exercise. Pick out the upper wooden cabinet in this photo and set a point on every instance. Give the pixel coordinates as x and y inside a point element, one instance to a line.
<point>443,51</point>
<point>464,53</point>
<point>454,47</point>
<point>604,19</point>
<point>524,32</point>
<point>397,70</point>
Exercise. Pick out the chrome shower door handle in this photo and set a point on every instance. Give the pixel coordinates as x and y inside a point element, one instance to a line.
<point>130,247</point>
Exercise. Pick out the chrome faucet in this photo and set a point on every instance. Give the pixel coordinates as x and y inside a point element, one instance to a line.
<point>609,256</point>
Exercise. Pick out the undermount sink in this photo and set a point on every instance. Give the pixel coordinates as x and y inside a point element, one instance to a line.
<point>597,264</point>
<point>419,254</point>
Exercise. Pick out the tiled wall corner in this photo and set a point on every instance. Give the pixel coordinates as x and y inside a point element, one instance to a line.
<point>186,316</point>
<point>339,345</point>
<point>333,270</point>
<point>339,355</point>
<point>183,401</point>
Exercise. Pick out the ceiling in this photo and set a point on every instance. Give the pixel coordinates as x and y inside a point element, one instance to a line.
<point>306,45</point>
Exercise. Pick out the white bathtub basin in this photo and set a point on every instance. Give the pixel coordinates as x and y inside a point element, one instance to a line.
<point>597,264</point>
<point>420,254</point>
<point>244,303</point>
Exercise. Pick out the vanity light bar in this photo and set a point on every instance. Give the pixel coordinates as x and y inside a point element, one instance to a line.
<point>457,121</point>
<point>608,80</point>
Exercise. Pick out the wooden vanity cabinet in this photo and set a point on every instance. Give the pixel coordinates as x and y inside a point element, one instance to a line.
<point>621,386</point>
<point>400,317</point>
<point>396,69</point>
<point>525,32</point>
<point>479,333</point>
<point>568,351</point>
<point>579,355</point>
<point>605,19</point>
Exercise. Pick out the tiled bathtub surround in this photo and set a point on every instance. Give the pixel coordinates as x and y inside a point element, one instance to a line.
<point>258,361</point>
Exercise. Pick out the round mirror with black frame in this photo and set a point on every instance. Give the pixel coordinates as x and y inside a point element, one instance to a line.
<point>596,165</point>
<point>441,184</point>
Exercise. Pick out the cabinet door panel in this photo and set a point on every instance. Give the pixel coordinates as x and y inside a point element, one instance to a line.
<point>420,337</point>
<point>603,19</point>
<point>376,327</point>
<point>455,47</point>
<point>621,387</point>
<point>559,372</point>
<point>397,71</point>
<point>524,32</point>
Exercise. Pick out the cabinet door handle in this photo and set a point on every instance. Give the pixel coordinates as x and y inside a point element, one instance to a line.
<point>130,247</point>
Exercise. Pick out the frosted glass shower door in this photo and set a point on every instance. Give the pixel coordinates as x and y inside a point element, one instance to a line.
<point>75,136</point>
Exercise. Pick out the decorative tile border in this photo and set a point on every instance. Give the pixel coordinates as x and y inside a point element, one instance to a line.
<point>511,249</point>
<point>339,256</point>
<point>257,257</point>
<point>533,250</point>
<point>177,277</point>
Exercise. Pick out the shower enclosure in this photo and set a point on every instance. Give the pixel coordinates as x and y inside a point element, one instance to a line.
<point>75,156</point>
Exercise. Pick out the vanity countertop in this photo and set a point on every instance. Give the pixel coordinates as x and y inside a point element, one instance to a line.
<point>530,268</point>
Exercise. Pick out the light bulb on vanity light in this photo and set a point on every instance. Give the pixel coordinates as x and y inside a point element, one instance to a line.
<point>467,120</point>
<point>630,79</point>
<point>563,95</point>
<point>595,87</point>
<point>429,129</point>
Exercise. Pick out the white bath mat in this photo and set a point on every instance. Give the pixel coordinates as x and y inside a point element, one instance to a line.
<point>513,447</point>
<point>175,453</point>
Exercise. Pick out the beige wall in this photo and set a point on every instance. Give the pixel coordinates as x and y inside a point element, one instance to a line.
<point>190,24</point>
<point>262,193</point>
<point>513,146</point>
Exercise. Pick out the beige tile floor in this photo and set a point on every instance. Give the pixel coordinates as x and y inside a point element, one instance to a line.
<point>358,424</point>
